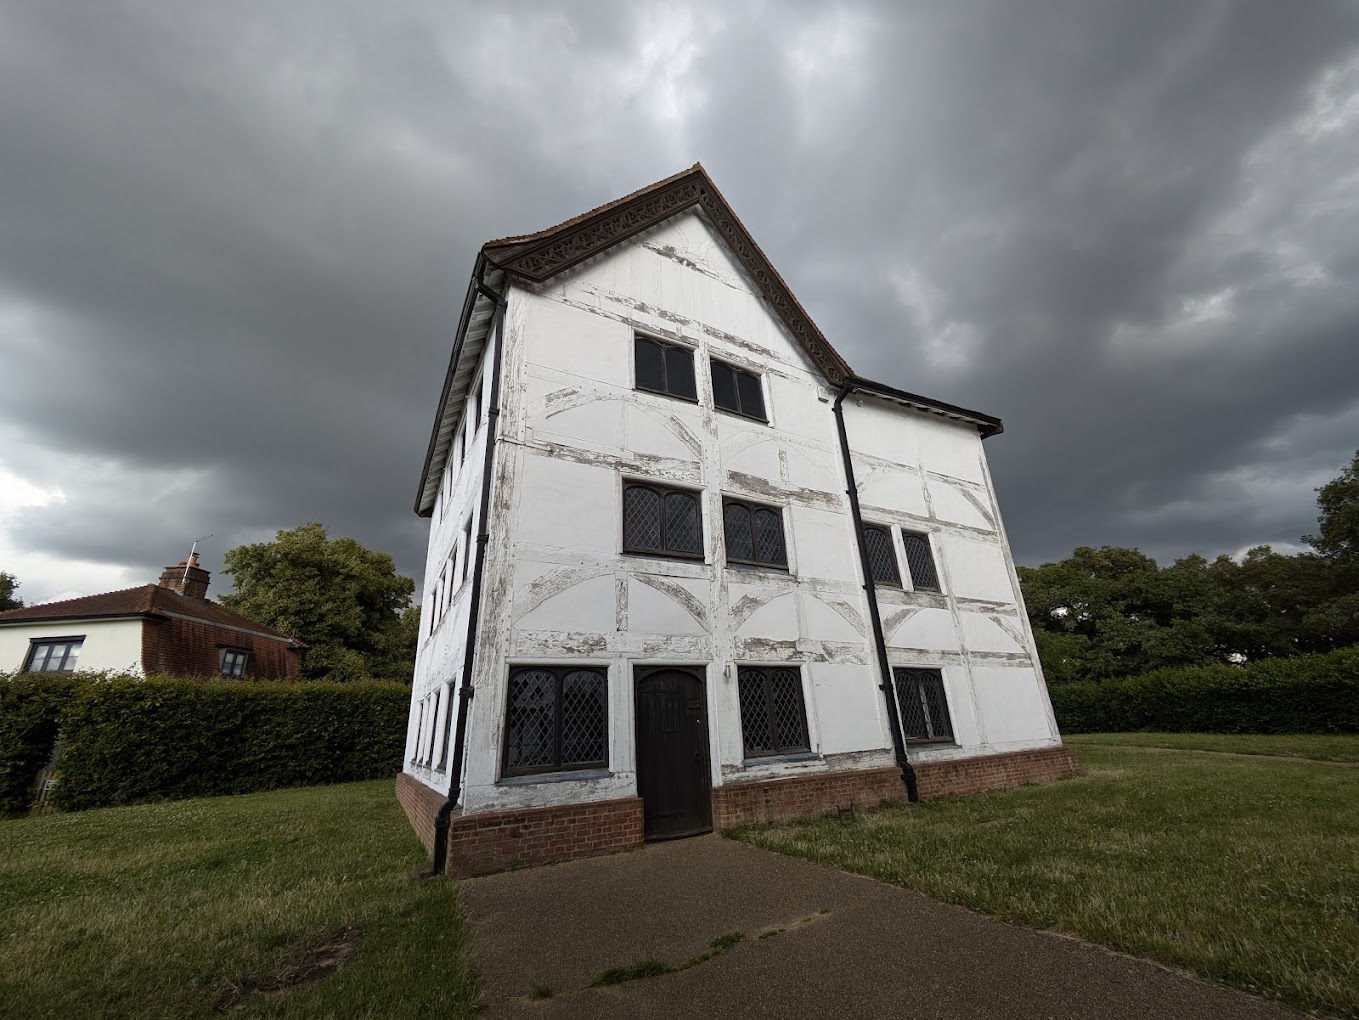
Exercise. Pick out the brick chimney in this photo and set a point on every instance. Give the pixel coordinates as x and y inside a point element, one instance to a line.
<point>188,578</point>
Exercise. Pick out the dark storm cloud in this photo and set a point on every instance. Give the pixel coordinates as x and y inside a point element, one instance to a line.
<point>232,247</point>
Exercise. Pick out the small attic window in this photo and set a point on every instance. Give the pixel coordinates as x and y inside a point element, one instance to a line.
<point>738,391</point>
<point>665,368</point>
<point>232,662</point>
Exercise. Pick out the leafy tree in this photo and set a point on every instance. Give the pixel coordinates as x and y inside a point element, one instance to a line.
<point>8,582</point>
<point>345,601</point>
<point>1338,501</point>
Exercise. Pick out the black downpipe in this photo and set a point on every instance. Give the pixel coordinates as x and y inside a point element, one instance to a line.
<point>465,692</point>
<point>894,721</point>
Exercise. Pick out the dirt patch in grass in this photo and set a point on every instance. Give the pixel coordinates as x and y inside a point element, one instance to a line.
<point>307,963</point>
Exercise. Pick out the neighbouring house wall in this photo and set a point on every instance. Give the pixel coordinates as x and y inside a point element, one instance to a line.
<point>185,647</point>
<point>114,645</point>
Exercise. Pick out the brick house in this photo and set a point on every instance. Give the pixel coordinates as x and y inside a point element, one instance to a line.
<point>686,570</point>
<point>167,627</point>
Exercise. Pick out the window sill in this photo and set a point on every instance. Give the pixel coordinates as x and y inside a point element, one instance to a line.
<point>555,777</point>
<point>740,414</point>
<point>663,393</point>
<point>681,557</point>
<point>780,759</point>
<point>764,568</point>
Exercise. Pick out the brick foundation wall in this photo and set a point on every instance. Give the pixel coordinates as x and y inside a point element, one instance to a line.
<point>497,840</point>
<point>421,804</point>
<point>995,771</point>
<point>782,800</point>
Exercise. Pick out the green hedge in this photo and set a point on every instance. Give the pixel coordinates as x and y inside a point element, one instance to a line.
<point>29,706</point>
<point>1306,694</point>
<point>129,739</point>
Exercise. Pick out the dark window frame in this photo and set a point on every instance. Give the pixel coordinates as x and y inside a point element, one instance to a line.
<point>223,651</point>
<point>737,371</point>
<point>663,491</point>
<point>895,580</point>
<point>922,705</point>
<point>752,509</point>
<point>559,673</point>
<point>924,538</point>
<point>76,640</point>
<point>764,675</point>
<point>665,346</point>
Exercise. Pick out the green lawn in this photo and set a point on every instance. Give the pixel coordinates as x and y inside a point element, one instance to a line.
<point>1243,870</point>
<point>192,908</point>
<point>1321,746</point>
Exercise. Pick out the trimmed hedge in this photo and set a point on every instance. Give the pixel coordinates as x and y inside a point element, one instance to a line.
<point>1306,694</point>
<point>29,706</point>
<point>129,739</point>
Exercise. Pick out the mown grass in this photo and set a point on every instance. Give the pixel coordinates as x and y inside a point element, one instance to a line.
<point>1242,870</point>
<point>1320,746</point>
<point>199,907</point>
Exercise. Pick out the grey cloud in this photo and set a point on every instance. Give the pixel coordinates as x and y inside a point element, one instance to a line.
<point>236,244</point>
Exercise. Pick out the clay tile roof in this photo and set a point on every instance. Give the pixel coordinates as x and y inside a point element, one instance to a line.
<point>144,600</point>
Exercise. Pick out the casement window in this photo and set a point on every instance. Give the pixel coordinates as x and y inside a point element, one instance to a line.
<point>419,732</point>
<point>466,550</point>
<point>231,661</point>
<point>661,521</point>
<point>664,368</point>
<point>432,725</point>
<point>882,558</point>
<point>773,717</point>
<point>53,655</point>
<point>920,561</point>
<point>738,391</point>
<point>923,706</point>
<point>473,411</point>
<point>442,763</point>
<point>754,534</point>
<point>556,719</point>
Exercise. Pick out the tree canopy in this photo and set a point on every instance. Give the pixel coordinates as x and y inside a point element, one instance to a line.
<point>1113,612</point>
<point>8,582</point>
<point>345,601</point>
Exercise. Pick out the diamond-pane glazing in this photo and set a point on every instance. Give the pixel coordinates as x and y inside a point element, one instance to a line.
<point>882,561</point>
<point>584,718</point>
<point>768,528</point>
<point>790,722</point>
<point>736,520</point>
<point>641,518</point>
<point>681,523</point>
<point>755,713</point>
<point>923,706</point>
<point>920,562</point>
<point>531,719</point>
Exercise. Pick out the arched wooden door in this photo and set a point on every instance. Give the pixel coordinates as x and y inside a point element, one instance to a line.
<point>672,753</point>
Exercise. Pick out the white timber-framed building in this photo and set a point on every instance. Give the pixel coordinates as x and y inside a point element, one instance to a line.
<point>686,570</point>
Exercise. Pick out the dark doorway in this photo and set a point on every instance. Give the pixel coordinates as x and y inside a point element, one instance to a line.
<point>672,753</point>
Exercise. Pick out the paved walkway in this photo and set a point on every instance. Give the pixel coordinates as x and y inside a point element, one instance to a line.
<point>849,947</point>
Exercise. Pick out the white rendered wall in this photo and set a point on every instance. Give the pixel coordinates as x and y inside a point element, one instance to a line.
<point>558,588</point>
<point>114,645</point>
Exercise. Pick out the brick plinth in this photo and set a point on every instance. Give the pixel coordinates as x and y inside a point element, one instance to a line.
<point>480,844</point>
<point>782,800</point>
<point>421,805</point>
<point>995,771</point>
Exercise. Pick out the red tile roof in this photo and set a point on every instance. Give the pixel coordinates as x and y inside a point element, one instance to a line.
<point>145,600</point>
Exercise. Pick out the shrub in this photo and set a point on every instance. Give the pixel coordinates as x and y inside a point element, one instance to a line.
<point>1304,694</point>
<point>128,739</point>
<point>29,706</point>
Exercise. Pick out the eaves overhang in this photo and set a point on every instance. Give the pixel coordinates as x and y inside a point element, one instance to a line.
<point>988,425</point>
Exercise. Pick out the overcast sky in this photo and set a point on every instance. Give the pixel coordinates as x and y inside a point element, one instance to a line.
<point>234,239</point>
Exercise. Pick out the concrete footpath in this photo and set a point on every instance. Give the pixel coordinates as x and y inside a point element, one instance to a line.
<point>845,946</point>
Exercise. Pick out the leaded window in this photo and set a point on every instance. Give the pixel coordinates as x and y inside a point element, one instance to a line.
<point>737,390</point>
<point>754,534</point>
<point>882,558</point>
<point>232,661</point>
<point>54,655</point>
<point>661,521</point>
<point>773,719</point>
<point>920,562</point>
<point>665,368</point>
<point>556,720</point>
<point>923,706</point>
